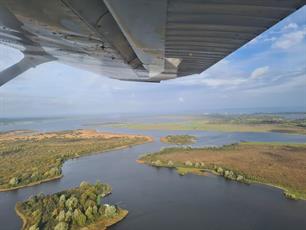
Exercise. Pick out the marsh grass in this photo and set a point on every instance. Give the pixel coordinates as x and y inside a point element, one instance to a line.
<point>278,164</point>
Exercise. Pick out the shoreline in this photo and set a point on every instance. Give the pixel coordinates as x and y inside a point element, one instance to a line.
<point>148,140</point>
<point>21,216</point>
<point>31,184</point>
<point>194,171</point>
<point>122,214</point>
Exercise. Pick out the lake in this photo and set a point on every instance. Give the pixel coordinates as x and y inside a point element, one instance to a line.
<point>158,198</point>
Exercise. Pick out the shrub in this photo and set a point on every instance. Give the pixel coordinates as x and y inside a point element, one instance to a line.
<point>229,175</point>
<point>54,171</point>
<point>14,181</point>
<point>157,162</point>
<point>110,210</point>
<point>188,163</point>
<point>170,163</point>
<point>240,178</point>
<point>220,170</point>
<point>290,196</point>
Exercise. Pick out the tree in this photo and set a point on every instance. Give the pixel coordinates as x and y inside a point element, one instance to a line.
<point>34,227</point>
<point>89,214</point>
<point>62,201</point>
<point>72,202</point>
<point>61,226</point>
<point>68,216</point>
<point>95,210</point>
<point>78,218</point>
<point>84,184</point>
<point>61,216</point>
<point>99,197</point>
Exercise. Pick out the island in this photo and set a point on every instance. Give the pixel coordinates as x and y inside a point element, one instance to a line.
<point>225,123</point>
<point>281,165</point>
<point>178,139</point>
<point>28,158</point>
<point>77,208</point>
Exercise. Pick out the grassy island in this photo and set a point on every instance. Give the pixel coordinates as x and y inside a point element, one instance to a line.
<point>278,164</point>
<point>28,158</point>
<point>77,208</point>
<point>227,123</point>
<point>178,139</point>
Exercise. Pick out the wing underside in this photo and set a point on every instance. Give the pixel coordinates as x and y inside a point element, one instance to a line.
<point>136,40</point>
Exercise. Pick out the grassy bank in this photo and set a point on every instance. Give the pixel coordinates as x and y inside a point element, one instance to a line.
<point>72,209</point>
<point>220,123</point>
<point>278,164</point>
<point>29,158</point>
<point>179,139</point>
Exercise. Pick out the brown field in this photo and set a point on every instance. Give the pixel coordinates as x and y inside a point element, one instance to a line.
<point>281,165</point>
<point>28,158</point>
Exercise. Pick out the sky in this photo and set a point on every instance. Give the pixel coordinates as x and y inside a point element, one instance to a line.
<point>268,72</point>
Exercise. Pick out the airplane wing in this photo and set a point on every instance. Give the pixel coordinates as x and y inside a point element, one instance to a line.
<point>134,40</point>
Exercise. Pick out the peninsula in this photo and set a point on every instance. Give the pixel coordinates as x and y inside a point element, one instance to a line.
<point>29,158</point>
<point>278,164</point>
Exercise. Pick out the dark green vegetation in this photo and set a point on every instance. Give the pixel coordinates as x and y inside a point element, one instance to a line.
<point>71,209</point>
<point>278,164</point>
<point>28,158</point>
<point>179,139</point>
<point>228,123</point>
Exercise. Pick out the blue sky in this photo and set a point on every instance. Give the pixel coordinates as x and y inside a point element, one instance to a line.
<point>268,72</point>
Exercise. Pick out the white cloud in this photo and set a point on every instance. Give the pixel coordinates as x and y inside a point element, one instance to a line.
<point>254,41</point>
<point>222,82</point>
<point>291,39</point>
<point>259,72</point>
<point>290,26</point>
<point>289,85</point>
<point>181,99</point>
<point>270,39</point>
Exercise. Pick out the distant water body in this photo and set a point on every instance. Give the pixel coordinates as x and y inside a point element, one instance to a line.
<point>158,198</point>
